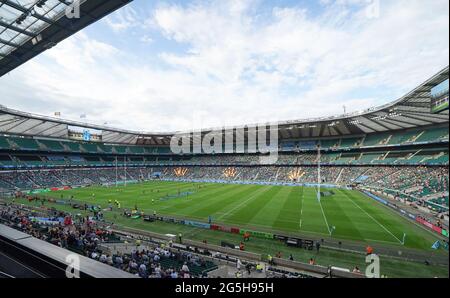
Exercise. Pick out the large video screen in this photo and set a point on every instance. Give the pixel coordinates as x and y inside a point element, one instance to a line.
<point>439,97</point>
<point>85,134</point>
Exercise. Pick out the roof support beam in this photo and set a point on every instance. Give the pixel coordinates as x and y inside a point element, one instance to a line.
<point>367,127</point>
<point>322,130</point>
<point>57,133</point>
<point>7,122</point>
<point>396,124</point>
<point>24,10</point>
<point>427,117</point>
<point>20,122</point>
<point>336,128</point>
<point>416,104</point>
<point>17,29</point>
<point>33,127</point>
<point>49,128</point>
<point>405,122</point>
<point>8,43</point>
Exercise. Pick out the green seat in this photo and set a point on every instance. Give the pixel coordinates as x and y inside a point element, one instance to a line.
<point>89,147</point>
<point>4,143</point>
<point>376,139</point>
<point>434,134</point>
<point>72,146</point>
<point>350,142</point>
<point>136,149</point>
<point>52,145</point>
<point>120,149</point>
<point>25,143</point>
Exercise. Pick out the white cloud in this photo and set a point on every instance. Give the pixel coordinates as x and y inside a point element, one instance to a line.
<point>123,19</point>
<point>241,66</point>
<point>146,39</point>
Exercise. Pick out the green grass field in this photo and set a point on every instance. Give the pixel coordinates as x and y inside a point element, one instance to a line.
<point>293,210</point>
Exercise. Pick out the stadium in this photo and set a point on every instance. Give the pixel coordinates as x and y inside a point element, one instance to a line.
<point>309,198</point>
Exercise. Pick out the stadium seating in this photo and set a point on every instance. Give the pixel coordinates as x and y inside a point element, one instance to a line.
<point>31,161</point>
<point>329,144</point>
<point>350,142</point>
<point>377,139</point>
<point>4,144</point>
<point>89,147</point>
<point>405,137</point>
<point>162,150</point>
<point>76,161</point>
<point>52,145</point>
<point>120,149</point>
<point>6,161</point>
<point>23,143</point>
<point>368,158</point>
<point>288,146</point>
<point>414,183</point>
<point>136,150</point>
<point>345,159</point>
<point>72,146</point>
<point>56,160</point>
<point>434,134</point>
<point>105,148</point>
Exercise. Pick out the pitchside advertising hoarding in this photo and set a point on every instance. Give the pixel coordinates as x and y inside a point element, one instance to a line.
<point>439,97</point>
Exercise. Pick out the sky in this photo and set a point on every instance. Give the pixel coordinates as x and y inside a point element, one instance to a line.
<point>166,66</point>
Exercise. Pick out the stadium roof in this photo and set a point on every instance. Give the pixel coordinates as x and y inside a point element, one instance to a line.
<point>29,27</point>
<point>410,111</point>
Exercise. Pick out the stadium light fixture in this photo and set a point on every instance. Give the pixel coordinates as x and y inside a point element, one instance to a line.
<point>22,18</point>
<point>41,3</point>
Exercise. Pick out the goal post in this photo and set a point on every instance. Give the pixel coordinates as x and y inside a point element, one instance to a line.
<point>319,177</point>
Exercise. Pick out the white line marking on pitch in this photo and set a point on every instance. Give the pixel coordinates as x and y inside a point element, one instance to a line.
<point>256,194</point>
<point>370,216</point>
<point>326,221</point>
<point>301,210</point>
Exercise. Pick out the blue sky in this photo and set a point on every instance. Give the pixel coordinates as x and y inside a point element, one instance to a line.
<point>177,65</point>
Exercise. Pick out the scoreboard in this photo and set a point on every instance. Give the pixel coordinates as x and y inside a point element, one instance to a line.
<point>84,134</point>
<point>439,97</point>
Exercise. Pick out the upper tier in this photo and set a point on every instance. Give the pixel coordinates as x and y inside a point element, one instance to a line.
<point>415,110</point>
<point>439,134</point>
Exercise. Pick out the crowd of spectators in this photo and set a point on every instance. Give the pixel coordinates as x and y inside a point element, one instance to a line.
<point>419,183</point>
<point>82,235</point>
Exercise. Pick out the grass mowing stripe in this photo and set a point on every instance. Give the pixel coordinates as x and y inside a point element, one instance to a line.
<point>371,217</point>
<point>301,205</point>
<point>288,209</point>
<point>250,211</point>
<point>281,212</point>
<point>196,200</point>
<point>341,215</point>
<point>252,197</point>
<point>417,236</point>
<point>191,206</point>
<point>312,218</point>
<point>228,198</point>
<point>324,217</point>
